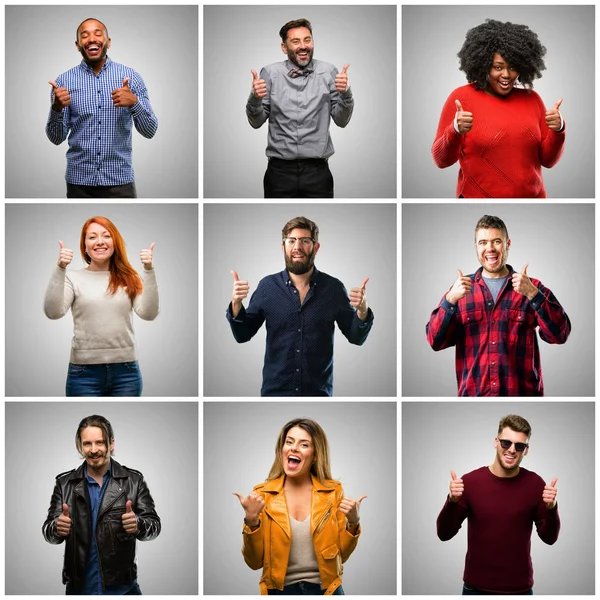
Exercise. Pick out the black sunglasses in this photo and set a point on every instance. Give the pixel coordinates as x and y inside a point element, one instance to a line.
<point>519,446</point>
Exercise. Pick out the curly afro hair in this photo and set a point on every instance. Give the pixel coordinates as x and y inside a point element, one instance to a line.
<point>517,44</point>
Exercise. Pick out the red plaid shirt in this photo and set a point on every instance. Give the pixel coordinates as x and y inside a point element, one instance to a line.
<point>497,351</point>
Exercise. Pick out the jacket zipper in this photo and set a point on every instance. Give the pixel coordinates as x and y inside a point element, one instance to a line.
<point>323,520</point>
<point>106,509</point>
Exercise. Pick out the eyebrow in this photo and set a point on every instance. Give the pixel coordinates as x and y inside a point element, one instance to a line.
<point>289,437</point>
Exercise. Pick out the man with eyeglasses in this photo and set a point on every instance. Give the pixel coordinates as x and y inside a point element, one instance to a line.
<point>300,306</point>
<point>501,503</point>
<point>491,317</point>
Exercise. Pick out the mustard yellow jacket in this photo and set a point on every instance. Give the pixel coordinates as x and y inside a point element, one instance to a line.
<point>268,546</point>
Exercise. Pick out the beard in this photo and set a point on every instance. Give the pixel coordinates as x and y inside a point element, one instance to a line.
<point>293,58</point>
<point>300,267</point>
<point>96,59</point>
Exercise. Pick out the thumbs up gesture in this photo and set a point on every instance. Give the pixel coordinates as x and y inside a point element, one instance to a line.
<point>464,119</point>
<point>457,488</point>
<point>549,494</point>
<point>65,256</point>
<point>259,86</point>
<point>462,287</point>
<point>252,504</point>
<point>123,96</point>
<point>129,519</point>
<point>553,118</point>
<point>522,284</point>
<point>358,300</point>
<point>342,82</point>
<point>240,291</point>
<point>63,522</point>
<point>146,256</point>
<point>350,508</point>
<point>60,97</point>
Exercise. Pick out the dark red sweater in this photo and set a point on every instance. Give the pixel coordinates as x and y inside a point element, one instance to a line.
<point>503,154</point>
<point>500,512</point>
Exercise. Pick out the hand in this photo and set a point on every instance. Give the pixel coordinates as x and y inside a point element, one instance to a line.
<point>350,508</point>
<point>342,82</point>
<point>129,519</point>
<point>65,256</point>
<point>60,97</point>
<point>123,96</point>
<point>240,291</point>
<point>549,494</point>
<point>146,256</point>
<point>461,288</point>
<point>259,86</point>
<point>464,120</point>
<point>457,488</point>
<point>522,284</point>
<point>63,522</point>
<point>553,119</point>
<point>358,300</point>
<point>252,505</point>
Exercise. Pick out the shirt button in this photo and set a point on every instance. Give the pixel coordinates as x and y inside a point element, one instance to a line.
<point>99,122</point>
<point>98,153</point>
<point>493,363</point>
<point>294,291</point>
<point>297,350</point>
<point>493,383</point>
<point>493,343</point>
<point>98,137</point>
<point>98,91</point>
<point>299,330</point>
<point>297,370</point>
<point>99,105</point>
<point>493,321</point>
<point>489,303</point>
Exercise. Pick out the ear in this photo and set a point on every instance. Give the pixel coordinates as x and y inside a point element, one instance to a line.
<point>496,442</point>
<point>77,46</point>
<point>284,48</point>
<point>508,243</point>
<point>112,446</point>
<point>317,246</point>
<point>108,43</point>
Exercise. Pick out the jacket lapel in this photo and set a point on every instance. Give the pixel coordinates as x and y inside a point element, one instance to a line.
<point>322,505</point>
<point>276,506</point>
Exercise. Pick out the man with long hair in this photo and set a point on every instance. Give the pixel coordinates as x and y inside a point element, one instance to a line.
<point>99,511</point>
<point>95,104</point>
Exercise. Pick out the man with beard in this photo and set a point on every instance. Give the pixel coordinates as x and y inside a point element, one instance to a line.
<point>94,104</point>
<point>300,306</point>
<point>299,96</point>
<point>491,317</point>
<point>99,510</point>
<point>501,503</point>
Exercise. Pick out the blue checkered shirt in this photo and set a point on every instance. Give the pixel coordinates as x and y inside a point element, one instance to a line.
<point>99,133</point>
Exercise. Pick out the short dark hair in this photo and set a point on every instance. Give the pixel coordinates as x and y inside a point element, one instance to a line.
<point>516,423</point>
<point>95,421</point>
<point>517,44</point>
<point>490,222</point>
<point>291,24</point>
<point>301,223</point>
<point>91,19</point>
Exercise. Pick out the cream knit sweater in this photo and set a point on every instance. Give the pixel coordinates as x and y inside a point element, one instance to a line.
<point>103,327</point>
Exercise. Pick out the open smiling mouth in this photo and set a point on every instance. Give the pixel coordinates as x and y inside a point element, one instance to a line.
<point>94,49</point>
<point>293,462</point>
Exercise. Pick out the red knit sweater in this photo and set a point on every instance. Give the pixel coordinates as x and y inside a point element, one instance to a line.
<point>503,154</point>
<point>500,512</point>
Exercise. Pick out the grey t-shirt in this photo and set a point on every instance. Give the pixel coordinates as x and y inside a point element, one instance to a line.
<point>495,285</point>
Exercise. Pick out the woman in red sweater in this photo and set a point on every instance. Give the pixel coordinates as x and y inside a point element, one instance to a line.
<point>502,135</point>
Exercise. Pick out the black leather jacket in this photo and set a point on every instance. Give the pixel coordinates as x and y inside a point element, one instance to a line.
<point>116,548</point>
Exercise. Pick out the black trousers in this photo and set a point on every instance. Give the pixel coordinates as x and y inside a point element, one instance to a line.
<point>101,191</point>
<point>302,178</point>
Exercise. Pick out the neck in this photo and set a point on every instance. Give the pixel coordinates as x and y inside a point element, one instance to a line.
<point>96,66</point>
<point>297,483</point>
<point>503,273</point>
<point>499,471</point>
<point>301,281</point>
<point>99,472</point>
<point>99,266</point>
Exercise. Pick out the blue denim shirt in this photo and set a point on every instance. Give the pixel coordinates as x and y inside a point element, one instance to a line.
<point>92,584</point>
<point>299,353</point>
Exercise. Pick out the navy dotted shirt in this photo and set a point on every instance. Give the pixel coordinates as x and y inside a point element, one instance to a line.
<point>299,352</point>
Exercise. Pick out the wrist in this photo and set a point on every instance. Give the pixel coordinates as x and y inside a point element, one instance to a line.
<point>252,523</point>
<point>451,299</point>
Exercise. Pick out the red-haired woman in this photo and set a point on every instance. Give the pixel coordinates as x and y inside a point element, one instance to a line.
<point>102,298</point>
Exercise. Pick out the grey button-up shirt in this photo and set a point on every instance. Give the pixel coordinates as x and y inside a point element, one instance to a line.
<point>299,110</point>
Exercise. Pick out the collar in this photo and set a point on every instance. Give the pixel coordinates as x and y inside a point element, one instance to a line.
<point>106,475</point>
<point>115,468</point>
<point>276,485</point>
<point>478,274</point>
<point>314,278</point>
<point>104,66</point>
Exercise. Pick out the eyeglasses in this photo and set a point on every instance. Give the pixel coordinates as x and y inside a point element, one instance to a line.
<point>519,446</point>
<point>290,242</point>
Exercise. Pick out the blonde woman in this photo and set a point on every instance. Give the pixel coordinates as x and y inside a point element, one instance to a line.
<point>298,527</point>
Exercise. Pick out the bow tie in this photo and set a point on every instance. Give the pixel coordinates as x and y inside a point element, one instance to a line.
<point>297,72</point>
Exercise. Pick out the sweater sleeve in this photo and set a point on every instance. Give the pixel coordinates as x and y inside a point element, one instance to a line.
<point>553,142</point>
<point>59,294</point>
<point>448,143</point>
<point>443,326</point>
<point>450,519</point>
<point>145,304</point>
<point>547,523</point>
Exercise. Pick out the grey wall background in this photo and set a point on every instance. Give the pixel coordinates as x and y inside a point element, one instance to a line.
<point>159,42</point>
<point>431,39</point>
<point>167,346</point>
<point>357,241</point>
<point>558,242</point>
<point>160,439</point>
<point>440,436</point>
<point>240,38</point>
<point>239,449</point>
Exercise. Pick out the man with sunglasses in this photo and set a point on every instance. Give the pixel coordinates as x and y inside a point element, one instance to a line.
<point>501,502</point>
<point>300,306</point>
<point>491,318</point>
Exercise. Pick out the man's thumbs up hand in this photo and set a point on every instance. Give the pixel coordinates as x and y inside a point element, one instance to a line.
<point>342,81</point>
<point>60,97</point>
<point>457,488</point>
<point>129,519</point>
<point>63,522</point>
<point>259,86</point>
<point>123,96</point>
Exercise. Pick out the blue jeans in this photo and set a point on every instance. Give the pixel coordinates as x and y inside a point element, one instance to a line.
<point>111,379</point>
<point>469,591</point>
<point>304,587</point>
